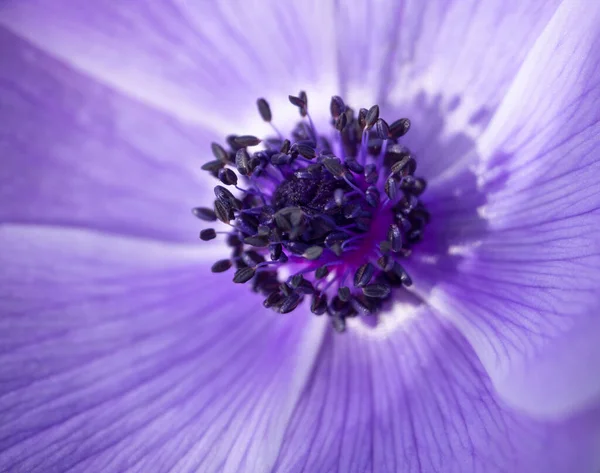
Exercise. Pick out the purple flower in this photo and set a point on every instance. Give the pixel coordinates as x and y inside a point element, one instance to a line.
<point>121,351</point>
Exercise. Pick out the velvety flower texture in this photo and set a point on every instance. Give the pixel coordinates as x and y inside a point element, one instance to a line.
<point>120,351</point>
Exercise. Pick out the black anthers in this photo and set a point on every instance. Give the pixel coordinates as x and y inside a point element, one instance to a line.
<point>339,210</point>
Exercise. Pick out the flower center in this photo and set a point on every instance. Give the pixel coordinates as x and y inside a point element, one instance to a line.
<point>322,216</point>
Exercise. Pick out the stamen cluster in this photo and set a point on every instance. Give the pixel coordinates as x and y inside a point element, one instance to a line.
<point>336,212</point>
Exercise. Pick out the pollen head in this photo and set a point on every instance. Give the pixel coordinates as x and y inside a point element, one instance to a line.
<point>324,216</point>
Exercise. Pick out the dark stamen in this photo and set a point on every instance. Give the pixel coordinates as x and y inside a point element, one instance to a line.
<point>228,177</point>
<point>257,241</point>
<point>399,166</point>
<point>307,151</point>
<point>204,213</point>
<point>302,95</point>
<point>313,253</point>
<point>252,258</point>
<point>399,128</point>
<point>208,234</point>
<point>344,293</point>
<point>402,274</point>
<point>372,116</point>
<point>362,116</point>
<point>219,153</point>
<point>318,305</point>
<point>361,306</point>
<point>341,122</point>
<point>394,237</point>
<point>224,196</point>
<point>363,275</point>
<point>223,211</point>
<point>285,146</point>
<point>242,161</point>
<point>314,204</point>
<point>276,250</point>
<point>376,290</point>
<point>298,102</point>
<point>290,303</point>
<point>273,300</point>
<point>334,166</point>
<point>337,106</point>
<point>213,166</point>
<point>321,272</point>
<point>382,129</point>
<point>221,266</point>
<point>246,140</point>
<point>243,275</point>
<point>264,110</point>
<point>391,188</point>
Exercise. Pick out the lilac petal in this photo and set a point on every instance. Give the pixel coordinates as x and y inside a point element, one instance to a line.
<point>444,64</point>
<point>414,399</point>
<point>466,51</point>
<point>535,277</point>
<point>77,153</point>
<point>120,354</point>
<point>568,371</point>
<point>194,59</point>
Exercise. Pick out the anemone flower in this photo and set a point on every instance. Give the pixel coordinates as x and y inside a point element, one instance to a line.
<point>422,176</point>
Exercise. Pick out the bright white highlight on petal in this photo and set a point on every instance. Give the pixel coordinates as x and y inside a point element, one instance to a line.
<point>400,317</point>
<point>188,58</point>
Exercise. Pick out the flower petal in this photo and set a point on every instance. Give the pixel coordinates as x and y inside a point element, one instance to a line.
<point>416,399</point>
<point>446,65</point>
<point>463,50</point>
<point>534,277</point>
<point>76,153</point>
<point>194,59</point>
<point>120,355</point>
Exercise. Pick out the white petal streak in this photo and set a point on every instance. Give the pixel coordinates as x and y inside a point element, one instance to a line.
<point>200,61</point>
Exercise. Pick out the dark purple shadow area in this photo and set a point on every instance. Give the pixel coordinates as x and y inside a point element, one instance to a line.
<point>452,197</point>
